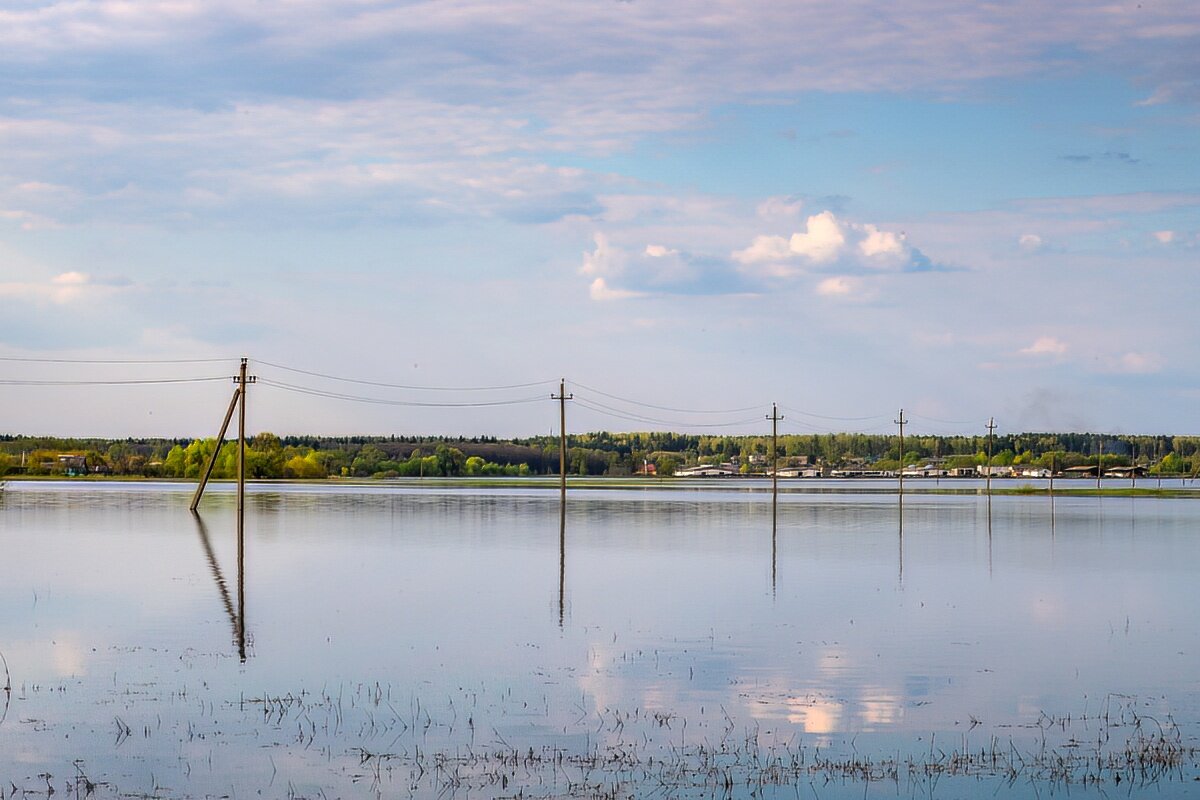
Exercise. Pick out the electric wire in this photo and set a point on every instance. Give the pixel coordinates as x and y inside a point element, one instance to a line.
<point>137,382</point>
<point>410,387</point>
<point>308,390</point>
<point>949,421</point>
<point>22,359</point>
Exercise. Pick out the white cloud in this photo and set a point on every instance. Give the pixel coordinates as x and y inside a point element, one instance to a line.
<point>823,240</point>
<point>1133,363</point>
<point>1030,242</point>
<point>827,241</point>
<point>879,243</point>
<point>839,286</point>
<point>1045,346</point>
<point>600,291</point>
<point>768,255</point>
<point>61,289</point>
<point>659,251</point>
<point>605,260</point>
<point>1164,237</point>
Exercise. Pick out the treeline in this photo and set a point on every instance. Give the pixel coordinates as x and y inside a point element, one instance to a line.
<point>599,453</point>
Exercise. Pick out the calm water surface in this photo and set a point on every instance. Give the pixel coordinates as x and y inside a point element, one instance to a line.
<point>408,641</point>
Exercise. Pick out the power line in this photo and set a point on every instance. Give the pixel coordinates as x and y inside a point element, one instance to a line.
<point>306,390</point>
<point>666,408</point>
<point>140,382</point>
<point>946,421</point>
<point>25,360</point>
<point>384,385</point>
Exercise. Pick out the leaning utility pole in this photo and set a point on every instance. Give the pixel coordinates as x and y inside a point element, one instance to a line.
<point>562,397</point>
<point>241,380</point>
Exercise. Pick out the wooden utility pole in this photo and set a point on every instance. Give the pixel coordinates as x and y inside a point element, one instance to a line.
<point>241,473</point>
<point>1100,462</point>
<point>901,422</point>
<point>237,401</point>
<point>212,460</point>
<point>774,416</point>
<point>1133,467</point>
<point>243,380</point>
<point>991,426</point>
<point>937,462</point>
<point>562,397</point>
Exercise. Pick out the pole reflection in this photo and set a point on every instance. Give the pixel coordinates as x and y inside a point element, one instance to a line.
<point>989,529</point>
<point>562,561</point>
<point>774,550</point>
<point>236,616</point>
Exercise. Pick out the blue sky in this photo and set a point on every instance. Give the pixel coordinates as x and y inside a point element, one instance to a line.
<point>962,210</point>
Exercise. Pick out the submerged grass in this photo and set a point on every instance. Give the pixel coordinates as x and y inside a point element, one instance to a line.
<point>361,742</point>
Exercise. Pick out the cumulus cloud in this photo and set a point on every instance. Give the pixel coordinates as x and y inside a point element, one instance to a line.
<point>847,252</point>
<point>621,272</point>
<point>1030,242</point>
<point>1133,363</point>
<point>844,287</point>
<point>605,260</point>
<point>64,288</point>
<point>61,289</point>
<point>600,290</point>
<point>1046,346</point>
<point>826,242</point>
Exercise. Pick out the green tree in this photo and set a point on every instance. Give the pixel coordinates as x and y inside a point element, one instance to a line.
<point>450,461</point>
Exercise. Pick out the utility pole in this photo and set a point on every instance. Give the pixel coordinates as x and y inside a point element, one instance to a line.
<point>937,462</point>
<point>1100,462</point>
<point>562,397</point>
<point>774,416</point>
<point>238,399</point>
<point>1133,467</point>
<point>901,422</point>
<point>243,380</point>
<point>991,426</point>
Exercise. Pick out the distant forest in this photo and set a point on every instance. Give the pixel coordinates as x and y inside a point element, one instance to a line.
<point>602,453</point>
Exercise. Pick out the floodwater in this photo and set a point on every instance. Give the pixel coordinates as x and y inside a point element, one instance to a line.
<point>474,642</point>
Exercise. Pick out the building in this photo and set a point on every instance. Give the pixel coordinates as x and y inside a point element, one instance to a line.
<point>707,471</point>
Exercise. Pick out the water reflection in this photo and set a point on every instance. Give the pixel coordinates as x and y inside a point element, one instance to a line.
<point>236,617</point>
<point>774,549</point>
<point>989,532</point>
<point>562,561</point>
<point>7,689</point>
<point>440,625</point>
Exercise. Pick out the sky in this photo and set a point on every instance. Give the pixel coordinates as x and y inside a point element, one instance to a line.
<point>688,211</point>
